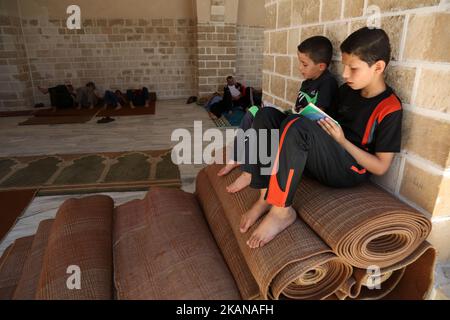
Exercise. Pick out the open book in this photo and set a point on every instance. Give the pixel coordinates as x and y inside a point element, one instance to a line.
<point>314,113</point>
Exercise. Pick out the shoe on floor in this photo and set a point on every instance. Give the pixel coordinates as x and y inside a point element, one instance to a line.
<point>105,120</point>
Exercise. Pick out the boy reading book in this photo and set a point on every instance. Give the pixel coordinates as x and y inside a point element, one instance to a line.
<point>345,155</point>
<point>319,87</point>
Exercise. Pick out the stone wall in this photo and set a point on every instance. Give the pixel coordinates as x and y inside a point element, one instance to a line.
<point>216,48</point>
<point>15,80</point>
<point>419,73</point>
<point>249,59</point>
<point>114,53</point>
<point>184,48</point>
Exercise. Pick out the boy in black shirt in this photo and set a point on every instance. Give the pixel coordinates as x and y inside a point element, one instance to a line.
<point>319,87</point>
<point>369,114</point>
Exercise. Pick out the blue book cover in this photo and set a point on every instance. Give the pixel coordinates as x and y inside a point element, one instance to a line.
<point>314,113</point>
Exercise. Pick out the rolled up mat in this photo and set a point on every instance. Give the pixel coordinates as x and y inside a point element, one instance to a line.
<point>417,281</point>
<point>221,230</point>
<point>364,225</point>
<point>410,279</point>
<point>359,285</point>
<point>297,264</point>
<point>80,237</point>
<point>28,283</point>
<point>163,249</point>
<point>11,266</point>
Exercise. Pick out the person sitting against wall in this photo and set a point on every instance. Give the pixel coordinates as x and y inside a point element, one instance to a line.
<point>116,99</point>
<point>64,96</point>
<point>133,98</point>
<point>138,97</point>
<point>88,97</point>
<point>235,94</point>
<point>61,96</point>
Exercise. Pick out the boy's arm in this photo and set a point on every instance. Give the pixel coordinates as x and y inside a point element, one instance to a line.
<point>377,164</point>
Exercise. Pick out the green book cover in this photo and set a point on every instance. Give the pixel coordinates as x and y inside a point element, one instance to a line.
<point>314,113</point>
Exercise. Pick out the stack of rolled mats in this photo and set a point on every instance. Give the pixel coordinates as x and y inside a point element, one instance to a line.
<point>351,243</point>
<point>356,243</point>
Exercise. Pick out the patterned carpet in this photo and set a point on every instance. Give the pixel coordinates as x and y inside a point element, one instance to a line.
<point>93,172</point>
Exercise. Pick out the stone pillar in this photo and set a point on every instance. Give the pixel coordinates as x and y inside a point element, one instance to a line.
<point>216,43</point>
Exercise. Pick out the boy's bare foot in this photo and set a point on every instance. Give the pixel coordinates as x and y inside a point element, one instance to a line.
<point>276,221</point>
<point>118,107</point>
<point>240,183</point>
<point>251,216</point>
<point>43,90</point>
<point>228,167</point>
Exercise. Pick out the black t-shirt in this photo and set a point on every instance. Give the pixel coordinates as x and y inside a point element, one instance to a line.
<point>373,124</point>
<point>322,92</point>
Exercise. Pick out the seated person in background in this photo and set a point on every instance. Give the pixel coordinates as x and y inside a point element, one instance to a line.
<point>215,102</point>
<point>87,96</point>
<point>115,99</point>
<point>61,96</point>
<point>235,94</point>
<point>138,97</point>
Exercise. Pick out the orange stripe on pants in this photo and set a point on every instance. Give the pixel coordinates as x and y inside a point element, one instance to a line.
<point>275,195</point>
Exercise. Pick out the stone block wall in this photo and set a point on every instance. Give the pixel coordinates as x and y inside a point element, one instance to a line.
<point>419,72</point>
<point>216,49</point>
<point>114,53</point>
<point>15,79</point>
<point>249,59</point>
<point>175,57</point>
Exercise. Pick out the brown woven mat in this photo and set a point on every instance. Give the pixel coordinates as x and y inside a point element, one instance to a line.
<point>11,265</point>
<point>12,204</point>
<point>18,113</point>
<point>41,120</point>
<point>296,264</point>
<point>80,236</point>
<point>222,232</point>
<point>364,225</point>
<point>72,112</point>
<point>125,111</point>
<point>163,249</point>
<point>410,279</point>
<point>28,283</point>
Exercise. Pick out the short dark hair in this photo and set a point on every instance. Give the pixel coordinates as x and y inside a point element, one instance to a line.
<point>229,77</point>
<point>257,98</point>
<point>90,84</point>
<point>318,48</point>
<point>369,45</point>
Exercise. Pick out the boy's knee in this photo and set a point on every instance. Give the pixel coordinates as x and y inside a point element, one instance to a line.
<point>297,127</point>
<point>264,117</point>
<point>304,123</point>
